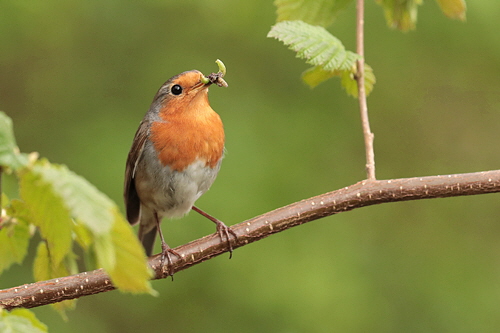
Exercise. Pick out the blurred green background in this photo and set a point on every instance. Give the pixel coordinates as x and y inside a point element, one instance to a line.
<point>78,76</point>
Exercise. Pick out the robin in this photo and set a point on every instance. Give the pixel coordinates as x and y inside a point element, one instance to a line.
<point>175,157</point>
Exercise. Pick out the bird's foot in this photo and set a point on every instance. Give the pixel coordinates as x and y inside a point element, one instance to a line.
<point>224,231</point>
<point>166,251</point>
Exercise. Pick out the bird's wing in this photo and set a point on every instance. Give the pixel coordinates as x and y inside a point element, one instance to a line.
<point>132,201</point>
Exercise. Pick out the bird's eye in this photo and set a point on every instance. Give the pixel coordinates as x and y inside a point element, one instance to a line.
<point>176,89</point>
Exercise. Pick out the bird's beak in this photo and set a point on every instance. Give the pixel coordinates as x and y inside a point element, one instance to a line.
<point>204,83</point>
<point>205,80</point>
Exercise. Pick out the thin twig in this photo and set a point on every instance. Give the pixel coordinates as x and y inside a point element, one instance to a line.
<point>1,191</point>
<point>362,194</point>
<point>360,78</point>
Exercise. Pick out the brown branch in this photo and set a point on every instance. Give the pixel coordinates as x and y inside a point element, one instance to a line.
<point>362,194</point>
<point>360,79</point>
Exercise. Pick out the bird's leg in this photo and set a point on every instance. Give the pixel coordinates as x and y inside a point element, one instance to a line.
<point>222,229</point>
<point>165,250</point>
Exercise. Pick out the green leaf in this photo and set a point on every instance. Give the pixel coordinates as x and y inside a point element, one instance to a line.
<point>316,75</point>
<point>83,235</point>
<point>9,152</point>
<point>401,14</point>
<point>54,196</point>
<point>20,321</point>
<point>44,267</point>
<point>350,84</point>
<point>315,44</point>
<point>46,208</point>
<point>454,9</point>
<point>316,12</point>
<point>16,208</point>
<point>14,241</point>
<point>122,256</point>
<point>83,201</point>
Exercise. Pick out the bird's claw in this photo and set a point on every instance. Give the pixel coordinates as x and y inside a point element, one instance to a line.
<point>224,231</point>
<point>165,254</point>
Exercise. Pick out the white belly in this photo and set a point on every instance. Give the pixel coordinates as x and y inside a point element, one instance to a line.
<point>173,193</point>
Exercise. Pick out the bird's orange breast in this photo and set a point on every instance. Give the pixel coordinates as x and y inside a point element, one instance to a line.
<point>184,137</point>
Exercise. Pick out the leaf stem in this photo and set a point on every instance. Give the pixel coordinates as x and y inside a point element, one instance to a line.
<point>360,78</point>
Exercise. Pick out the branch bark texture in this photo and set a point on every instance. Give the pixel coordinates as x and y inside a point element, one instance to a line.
<point>364,193</point>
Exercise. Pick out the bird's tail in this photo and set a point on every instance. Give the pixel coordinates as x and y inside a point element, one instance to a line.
<point>148,240</point>
<point>147,231</point>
